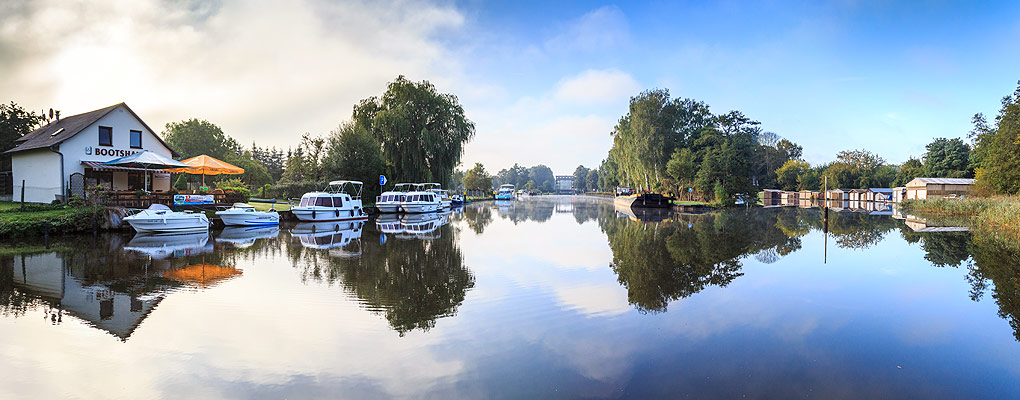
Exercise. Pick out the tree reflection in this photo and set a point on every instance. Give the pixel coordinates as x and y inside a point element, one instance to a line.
<point>664,261</point>
<point>996,259</point>
<point>412,282</point>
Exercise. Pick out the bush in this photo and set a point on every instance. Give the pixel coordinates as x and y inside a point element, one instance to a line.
<point>287,190</point>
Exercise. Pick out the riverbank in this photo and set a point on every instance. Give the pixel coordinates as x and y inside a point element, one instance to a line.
<point>1000,214</point>
<point>37,219</point>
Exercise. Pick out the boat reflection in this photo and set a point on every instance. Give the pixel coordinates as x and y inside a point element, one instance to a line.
<point>162,246</point>
<point>245,236</point>
<point>341,238</point>
<point>422,226</point>
<point>644,214</point>
<point>389,224</point>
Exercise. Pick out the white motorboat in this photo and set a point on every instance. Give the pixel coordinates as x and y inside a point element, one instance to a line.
<point>242,214</point>
<point>159,218</point>
<point>340,201</point>
<point>389,201</point>
<point>420,200</point>
<point>245,236</point>
<point>162,246</point>
<point>444,195</point>
<point>506,192</point>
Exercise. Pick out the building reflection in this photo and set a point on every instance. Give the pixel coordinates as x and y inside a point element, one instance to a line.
<point>102,282</point>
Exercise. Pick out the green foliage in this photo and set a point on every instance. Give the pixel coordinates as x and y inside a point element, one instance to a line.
<point>352,153</point>
<point>255,174</point>
<point>858,169</point>
<point>293,190</point>
<point>581,179</point>
<point>181,183</point>
<point>592,180</point>
<point>543,176</point>
<point>947,158</point>
<point>721,196</point>
<point>789,174</point>
<point>61,219</point>
<point>421,132</point>
<point>195,137</point>
<point>908,171</point>
<point>477,179</point>
<point>997,149</point>
<point>15,122</point>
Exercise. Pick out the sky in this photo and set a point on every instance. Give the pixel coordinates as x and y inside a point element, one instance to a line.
<point>544,82</point>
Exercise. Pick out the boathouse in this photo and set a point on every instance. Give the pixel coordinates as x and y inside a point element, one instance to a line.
<point>879,194</point>
<point>62,157</point>
<point>929,188</point>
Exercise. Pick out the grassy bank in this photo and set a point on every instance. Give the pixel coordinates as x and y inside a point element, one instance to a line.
<point>35,219</point>
<point>1001,214</point>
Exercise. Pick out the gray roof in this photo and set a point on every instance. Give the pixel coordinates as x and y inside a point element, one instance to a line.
<point>44,137</point>
<point>881,190</point>
<point>940,181</point>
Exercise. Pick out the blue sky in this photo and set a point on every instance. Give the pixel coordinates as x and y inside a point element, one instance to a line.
<point>543,81</point>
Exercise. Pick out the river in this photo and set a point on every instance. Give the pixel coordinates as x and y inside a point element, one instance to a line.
<point>546,297</point>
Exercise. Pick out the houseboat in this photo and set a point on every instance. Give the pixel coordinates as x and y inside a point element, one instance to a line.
<point>420,200</point>
<point>389,201</point>
<point>340,201</point>
<point>444,195</point>
<point>506,192</point>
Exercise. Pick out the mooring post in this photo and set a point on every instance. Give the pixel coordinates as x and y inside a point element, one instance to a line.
<point>22,195</point>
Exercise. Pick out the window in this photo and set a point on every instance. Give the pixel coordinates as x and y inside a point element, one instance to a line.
<point>136,139</point>
<point>338,202</point>
<point>105,136</point>
<point>324,202</point>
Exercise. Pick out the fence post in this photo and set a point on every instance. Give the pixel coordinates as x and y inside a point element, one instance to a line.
<point>22,195</point>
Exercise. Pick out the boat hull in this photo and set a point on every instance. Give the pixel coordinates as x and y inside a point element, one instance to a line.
<point>249,219</point>
<point>322,214</point>
<point>199,223</point>
<point>420,208</point>
<point>388,208</point>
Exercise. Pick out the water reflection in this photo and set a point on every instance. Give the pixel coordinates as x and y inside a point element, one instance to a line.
<point>241,237</point>
<point>163,246</point>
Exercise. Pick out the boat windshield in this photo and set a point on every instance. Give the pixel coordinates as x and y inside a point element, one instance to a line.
<point>159,207</point>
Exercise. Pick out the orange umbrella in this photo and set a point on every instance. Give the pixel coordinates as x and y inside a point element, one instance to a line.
<point>206,165</point>
<point>204,275</point>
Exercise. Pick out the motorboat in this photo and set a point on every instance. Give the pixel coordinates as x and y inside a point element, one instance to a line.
<point>341,238</point>
<point>159,246</point>
<point>420,200</point>
<point>457,200</point>
<point>506,192</point>
<point>389,201</point>
<point>159,218</point>
<point>444,195</point>
<point>242,214</point>
<point>340,201</point>
<point>245,236</point>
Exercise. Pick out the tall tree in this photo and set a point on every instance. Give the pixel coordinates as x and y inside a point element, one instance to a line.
<point>421,132</point>
<point>581,178</point>
<point>947,158</point>
<point>15,122</point>
<point>998,149</point>
<point>543,177</point>
<point>195,137</point>
<point>791,171</point>
<point>908,171</point>
<point>352,153</point>
<point>477,179</point>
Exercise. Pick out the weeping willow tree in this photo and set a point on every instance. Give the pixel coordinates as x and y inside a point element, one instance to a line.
<point>422,132</point>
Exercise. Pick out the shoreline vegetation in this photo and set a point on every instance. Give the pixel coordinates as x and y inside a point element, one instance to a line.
<point>991,214</point>
<point>37,219</point>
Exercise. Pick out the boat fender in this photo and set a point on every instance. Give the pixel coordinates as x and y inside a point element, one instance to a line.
<point>337,212</point>
<point>313,214</point>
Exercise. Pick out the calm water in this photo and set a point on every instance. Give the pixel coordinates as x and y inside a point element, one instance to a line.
<point>542,298</point>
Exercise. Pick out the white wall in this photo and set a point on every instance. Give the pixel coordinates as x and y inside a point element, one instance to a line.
<point>40,169</point>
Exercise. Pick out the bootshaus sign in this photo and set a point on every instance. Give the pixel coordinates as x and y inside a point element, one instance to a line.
<point>103,151</point>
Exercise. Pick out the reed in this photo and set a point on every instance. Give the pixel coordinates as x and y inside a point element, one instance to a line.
<point>1000,213</point>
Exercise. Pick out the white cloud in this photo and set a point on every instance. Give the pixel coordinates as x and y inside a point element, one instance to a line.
<point>598,86</point>
<point>262,70</point>
<point>595,31</point>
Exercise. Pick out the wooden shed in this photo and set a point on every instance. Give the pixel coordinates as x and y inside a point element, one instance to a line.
<point>930,188</point>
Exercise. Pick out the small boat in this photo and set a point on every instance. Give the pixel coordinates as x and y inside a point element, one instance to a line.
<point>457,200</point>
<point>340,201</point>
<point>242,214</point>
<point>444,195</point>
<point>420,200</point>
<point>159,218</point>
<point>644,200</point>
<point>389,201</point>
<point>506,192</point>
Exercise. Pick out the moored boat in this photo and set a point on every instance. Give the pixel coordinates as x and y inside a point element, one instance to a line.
<point>340,201</point>
<point>506,192</point>
<point>242,214</point>
<point>389,201</point>
<point>159,218</point>
<point>444,195</point>
<point>420,200</point>
<point>644,200</point>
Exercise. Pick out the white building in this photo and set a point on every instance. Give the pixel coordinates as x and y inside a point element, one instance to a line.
<point>63,156</point>
<point>564,184</point>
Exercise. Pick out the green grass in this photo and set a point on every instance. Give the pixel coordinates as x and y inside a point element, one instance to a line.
<point>12,216</point>
<point>55,219</point>
<point>1001,213</point>
<point>267,206</point>
<point>7,205</point>
<point>689,203</point>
